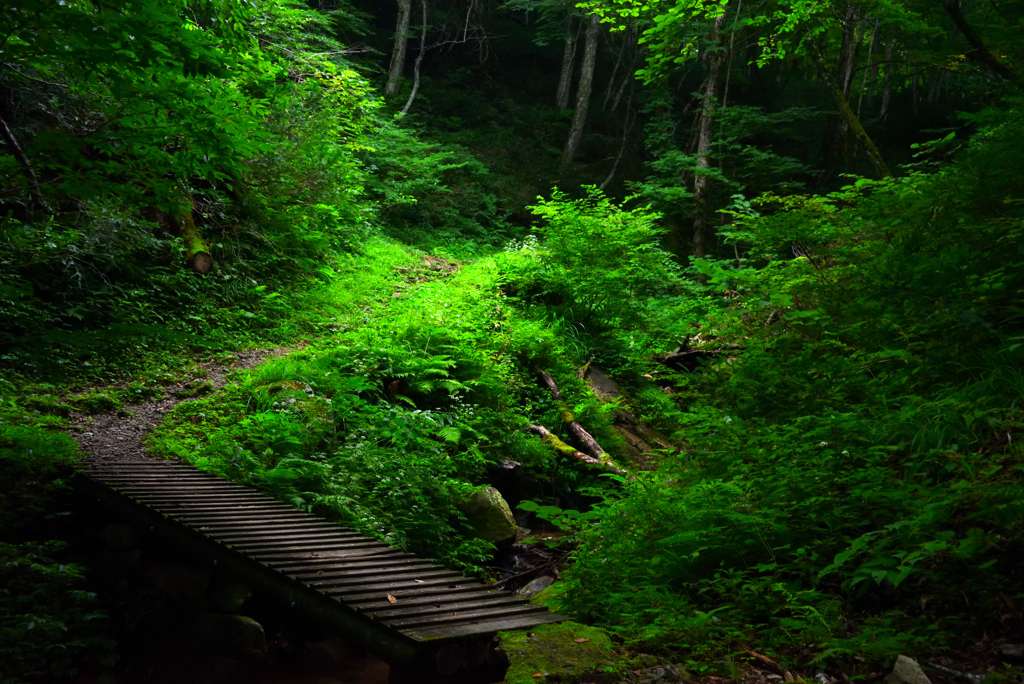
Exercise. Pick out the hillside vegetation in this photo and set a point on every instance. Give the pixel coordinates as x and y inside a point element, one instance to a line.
<point>813,457</point>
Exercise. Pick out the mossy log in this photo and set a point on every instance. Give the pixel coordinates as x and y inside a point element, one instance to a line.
<point>590,444</point>
<point>197,254</point>
<point>564,449</point>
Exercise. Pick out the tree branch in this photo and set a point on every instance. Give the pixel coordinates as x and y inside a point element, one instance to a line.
<point>980,53</point>
<point>19,154</point>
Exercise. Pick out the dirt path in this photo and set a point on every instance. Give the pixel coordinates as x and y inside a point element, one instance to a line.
<point>120,435</point>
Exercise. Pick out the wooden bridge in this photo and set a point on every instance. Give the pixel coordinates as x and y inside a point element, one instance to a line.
<point>409,612</point>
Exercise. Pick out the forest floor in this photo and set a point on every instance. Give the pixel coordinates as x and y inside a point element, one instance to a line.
<point>121,435</point>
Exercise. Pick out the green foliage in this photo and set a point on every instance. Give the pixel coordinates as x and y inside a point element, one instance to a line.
<point>851,475</point>
<point>603,262</point>
<point>48,626</point>
<point>35,461</point>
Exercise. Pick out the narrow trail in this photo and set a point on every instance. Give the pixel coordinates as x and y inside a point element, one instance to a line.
<point>120,435</point>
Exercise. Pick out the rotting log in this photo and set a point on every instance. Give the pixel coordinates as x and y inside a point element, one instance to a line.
<point>564,449</point>
<point>565,413</point>
<point>197,254</point>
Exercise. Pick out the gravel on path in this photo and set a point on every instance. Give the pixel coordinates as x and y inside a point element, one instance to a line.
<point>120,435</point>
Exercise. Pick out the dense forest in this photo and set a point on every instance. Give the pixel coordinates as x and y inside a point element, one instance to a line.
<point>725,298</point>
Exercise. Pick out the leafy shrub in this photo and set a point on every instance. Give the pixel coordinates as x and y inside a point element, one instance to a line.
<point>851,478</point>
<point>48,626</point>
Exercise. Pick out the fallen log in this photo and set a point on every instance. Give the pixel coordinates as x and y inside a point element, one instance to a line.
<point>565,413</point>
<point>561,447</point>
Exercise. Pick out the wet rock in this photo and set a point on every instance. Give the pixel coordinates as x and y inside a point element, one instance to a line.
<point>490,516</point>
<point>120,536</point>
<point>227,596</point>
<point>1012,652</point>
<point>535,587</point>
<point>603,386</point>
<point>906,671</point>
<point>236,637</point>
<point>179,582</point>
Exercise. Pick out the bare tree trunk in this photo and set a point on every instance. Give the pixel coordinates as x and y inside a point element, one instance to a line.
<point>568,59</point>
<point>835,146</point>
<point>934,81</point>
<point>979,53</point>
<point>868,69</point>
<point>701,182</point>
<point>579,116</point>
<point>854,125</point>
<point>913,90</point>
<point>883,113</point>
<point>627,124</point>
<point>618,64</point>
<point>732,46</point>
<point>416,66</point>
<point>398,53</point>
<point>26,167</point>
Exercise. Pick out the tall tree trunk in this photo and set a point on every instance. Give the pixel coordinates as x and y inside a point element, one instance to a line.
<point>868,68</point>
<point>854,125</point>
<point>627,124</point>
<point>890,46</point>
<point>835,148</point>
<point>979,53</point>
<point>26,167</point>
<point>732,46</point>
<point>579,116</point>
<point>913,91</point>
<point>701,182</point>
<point>622,57</point>
<point>416,66</point>
<point>398,52</point>
<point>568,59</point>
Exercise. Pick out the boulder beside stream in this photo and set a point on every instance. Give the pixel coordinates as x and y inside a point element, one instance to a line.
<point>490,517</point>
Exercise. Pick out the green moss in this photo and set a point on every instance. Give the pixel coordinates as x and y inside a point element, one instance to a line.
<point>49,404</point>
<point>564,652</point>
<point>96,402</point>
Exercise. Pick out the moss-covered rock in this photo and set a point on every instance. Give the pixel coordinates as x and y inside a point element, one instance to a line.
<point>490,516</point>
<point>196,388</point>
<point>564,652</point>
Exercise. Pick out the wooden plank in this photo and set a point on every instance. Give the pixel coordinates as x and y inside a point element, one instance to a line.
<point>426,598</point>
<point>453,606</point>
<point>372,570</point>
<point>216,507</point>
<point>402,575</point>
<point>390,587</point>
<point>288,537</point>
<point>474,627</point>
<point>399,558</point>
<point>457,617</point>
<point>297,518</point>
<point>270,556</point>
